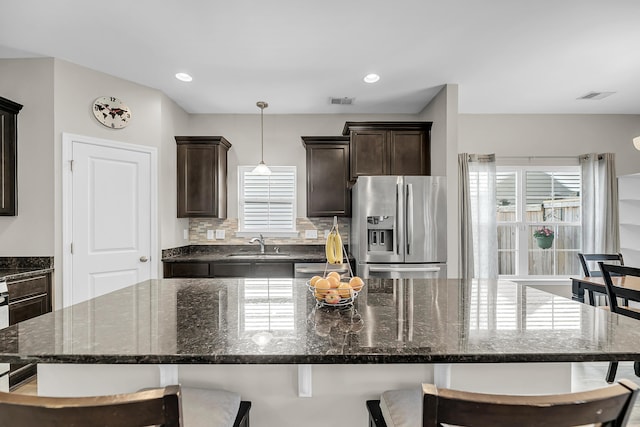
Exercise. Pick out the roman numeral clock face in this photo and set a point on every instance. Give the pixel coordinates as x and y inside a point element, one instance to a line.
<point>111,112</point>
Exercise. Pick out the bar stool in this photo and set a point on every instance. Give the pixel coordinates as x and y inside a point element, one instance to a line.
<point>429,406</point>
<point>170,406</point>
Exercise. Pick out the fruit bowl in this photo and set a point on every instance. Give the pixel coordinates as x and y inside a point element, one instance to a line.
<point>334,290</point>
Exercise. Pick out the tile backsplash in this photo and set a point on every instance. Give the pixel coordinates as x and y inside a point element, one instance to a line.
<point>198,228</point>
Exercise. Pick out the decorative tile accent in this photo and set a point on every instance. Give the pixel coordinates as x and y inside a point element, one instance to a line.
<point>198,231</point>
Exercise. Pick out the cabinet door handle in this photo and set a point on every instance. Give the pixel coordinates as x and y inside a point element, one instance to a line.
<point>144,259</point>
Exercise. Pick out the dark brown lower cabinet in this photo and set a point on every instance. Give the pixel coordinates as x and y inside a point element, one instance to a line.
<point>228,269</point>
<point>28,298</point>
<point>233,269</point>
<point>186,269</point>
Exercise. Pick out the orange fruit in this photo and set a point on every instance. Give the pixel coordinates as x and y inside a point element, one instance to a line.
<point>344,290</point>
<point>356,283</point>
<point>322,286</point>
<point>314,279</point>
<point>334,274</point>
<point>333,281</point>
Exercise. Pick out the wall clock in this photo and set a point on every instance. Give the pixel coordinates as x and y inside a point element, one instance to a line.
<point>111,112</point>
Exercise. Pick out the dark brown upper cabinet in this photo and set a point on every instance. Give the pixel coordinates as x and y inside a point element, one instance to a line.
<point>328,189</point>
<point>389,148</point>
<point>202,176</point>
<point>9,157</point>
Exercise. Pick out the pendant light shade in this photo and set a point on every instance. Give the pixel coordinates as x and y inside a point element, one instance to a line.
<point>636,142</point>
<point>262,168</point>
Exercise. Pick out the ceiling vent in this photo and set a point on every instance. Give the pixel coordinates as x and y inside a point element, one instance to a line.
<point>596,95</point>
<point>342,101</point>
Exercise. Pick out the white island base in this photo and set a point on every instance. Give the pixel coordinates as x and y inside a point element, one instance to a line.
<point>337,392</point>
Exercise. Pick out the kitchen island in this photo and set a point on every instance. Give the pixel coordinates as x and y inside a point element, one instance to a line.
<point>266,339</point>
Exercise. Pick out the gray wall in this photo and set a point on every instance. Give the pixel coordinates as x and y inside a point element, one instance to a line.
<point>30,83</point>
<point>552,135</point>
<point>443,112</point>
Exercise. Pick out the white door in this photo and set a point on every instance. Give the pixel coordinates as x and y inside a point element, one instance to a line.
<point>110,220</point>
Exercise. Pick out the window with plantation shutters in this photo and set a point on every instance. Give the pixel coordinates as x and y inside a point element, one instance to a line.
<point>267,203</point>
<point>529,198</point>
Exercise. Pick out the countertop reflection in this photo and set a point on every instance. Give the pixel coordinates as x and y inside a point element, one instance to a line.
<point>276,321</point>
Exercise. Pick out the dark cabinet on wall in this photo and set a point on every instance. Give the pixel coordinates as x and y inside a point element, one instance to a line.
<point>202,176</point>
<point>389,148</point>
<point>328,188</point>
<point>8,157</point>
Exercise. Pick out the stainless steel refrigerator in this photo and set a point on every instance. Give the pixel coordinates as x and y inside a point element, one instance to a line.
<point>399,226</point>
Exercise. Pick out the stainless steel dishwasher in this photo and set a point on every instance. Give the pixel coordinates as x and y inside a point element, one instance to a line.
<point>310,269</point>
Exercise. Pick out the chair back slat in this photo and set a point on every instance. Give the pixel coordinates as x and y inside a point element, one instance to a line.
<point>589,262</point>
<point>613,291</point>
<point>160,407</point>
<point>609,406</point>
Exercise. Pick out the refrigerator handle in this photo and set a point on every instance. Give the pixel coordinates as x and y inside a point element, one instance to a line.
<point>398,218</point>
<point>409,217</point>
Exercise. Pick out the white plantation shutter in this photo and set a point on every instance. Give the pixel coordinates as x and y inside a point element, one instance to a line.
<point>267,202</point>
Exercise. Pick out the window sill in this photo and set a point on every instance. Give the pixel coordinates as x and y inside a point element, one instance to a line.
<point>267,233</point>
<point>557,279</point>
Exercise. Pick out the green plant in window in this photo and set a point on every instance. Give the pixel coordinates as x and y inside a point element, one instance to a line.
<point>544,237</point>
<point>543,232</point>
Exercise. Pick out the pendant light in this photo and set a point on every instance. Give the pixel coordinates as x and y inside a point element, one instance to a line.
<point>262,169</point>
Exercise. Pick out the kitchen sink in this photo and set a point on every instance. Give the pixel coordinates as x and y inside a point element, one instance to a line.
<point>258,255</point>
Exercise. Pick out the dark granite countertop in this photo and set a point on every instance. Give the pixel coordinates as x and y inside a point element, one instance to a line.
<point>275,321</point>
<point>14,268</point>
<point>221,253</point>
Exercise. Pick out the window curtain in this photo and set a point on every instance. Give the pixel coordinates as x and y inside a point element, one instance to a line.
<point>478,228</point>
<point>600,222</point>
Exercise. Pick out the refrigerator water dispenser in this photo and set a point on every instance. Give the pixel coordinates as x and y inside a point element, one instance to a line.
<point>380,233</point>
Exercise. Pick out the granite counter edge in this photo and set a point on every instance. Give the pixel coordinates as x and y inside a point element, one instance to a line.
<point>317,359</point>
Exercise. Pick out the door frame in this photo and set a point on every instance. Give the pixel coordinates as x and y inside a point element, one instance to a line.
<point>67,203</point>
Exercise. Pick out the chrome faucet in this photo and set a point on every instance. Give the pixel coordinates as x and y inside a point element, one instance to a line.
<point>259,240</point>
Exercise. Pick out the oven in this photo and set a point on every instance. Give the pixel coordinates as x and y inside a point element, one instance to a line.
<point>4,322</point>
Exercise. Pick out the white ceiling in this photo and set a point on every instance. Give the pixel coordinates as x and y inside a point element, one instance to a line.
<point>507,56</point>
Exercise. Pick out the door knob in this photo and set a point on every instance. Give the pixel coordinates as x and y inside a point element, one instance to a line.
<point>144,259</point>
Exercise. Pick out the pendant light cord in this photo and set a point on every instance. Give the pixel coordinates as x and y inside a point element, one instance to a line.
<point>262,133</point>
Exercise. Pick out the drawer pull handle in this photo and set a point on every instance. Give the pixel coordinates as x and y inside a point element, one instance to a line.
<point>21,300</point>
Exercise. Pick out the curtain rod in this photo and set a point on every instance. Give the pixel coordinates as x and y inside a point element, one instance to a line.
<point>537,157</point>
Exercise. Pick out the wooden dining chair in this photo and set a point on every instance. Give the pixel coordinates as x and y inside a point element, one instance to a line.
<point>432,407</point>
<point>171,406</point>
<point>589,263</point>
<point>613,294</point>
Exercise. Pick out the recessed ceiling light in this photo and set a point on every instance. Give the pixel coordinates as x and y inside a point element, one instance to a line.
<point>371,78</point>
<point>184,77</point>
